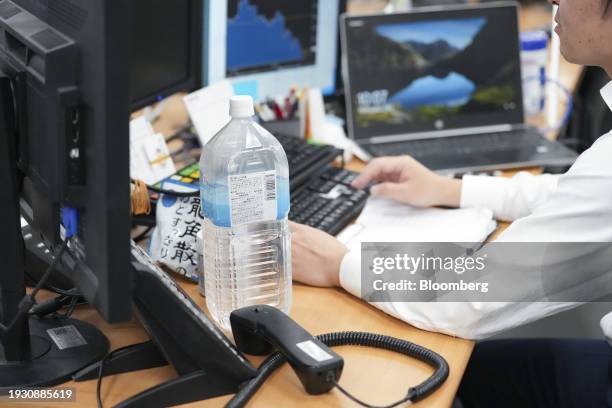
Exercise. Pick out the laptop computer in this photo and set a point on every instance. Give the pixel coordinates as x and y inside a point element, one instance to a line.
<point>444,86</point>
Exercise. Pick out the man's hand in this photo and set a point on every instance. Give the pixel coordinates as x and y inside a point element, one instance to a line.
<point>315,256</point>
<point>406,180</point>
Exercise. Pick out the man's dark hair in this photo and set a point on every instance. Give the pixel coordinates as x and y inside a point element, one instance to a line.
<point>607,6</point>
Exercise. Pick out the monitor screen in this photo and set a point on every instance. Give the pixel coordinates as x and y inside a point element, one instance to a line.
<point>264,47</point>
<point>288,28</point>
<point>433,70</point>
<point>165,49</point>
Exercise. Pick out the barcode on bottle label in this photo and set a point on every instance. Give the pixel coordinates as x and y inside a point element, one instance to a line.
<point>270,180</point>
<point>66,337</point>
<point>252,197</point>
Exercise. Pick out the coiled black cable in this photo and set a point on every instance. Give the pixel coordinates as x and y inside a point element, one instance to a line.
<point>357,339</point>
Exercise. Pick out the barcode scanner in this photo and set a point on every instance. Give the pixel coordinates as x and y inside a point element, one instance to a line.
<point>261,330</point>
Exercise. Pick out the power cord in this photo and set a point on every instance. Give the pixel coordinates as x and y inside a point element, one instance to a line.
<point>52,306</point>
<point>100,374</point>
<point>108,355</point>
<point>407,399</point>
<point>407,348</point>
<point>142,235</point>
<point>195,193</point>
<point>55,289</point>
<point>29,300</point>
<point>71,307</point>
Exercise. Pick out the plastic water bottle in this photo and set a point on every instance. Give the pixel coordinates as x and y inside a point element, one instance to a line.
<point>534,57</point>
<point>245,202</point>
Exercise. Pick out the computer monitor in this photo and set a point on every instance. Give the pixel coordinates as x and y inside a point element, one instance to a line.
<point>72,139</point>
<point>411,73</point>
<point>166,49</point>
<point>264,47</point>
<point>65,69</point>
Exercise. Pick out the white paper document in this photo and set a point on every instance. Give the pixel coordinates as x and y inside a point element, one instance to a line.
<point>209,109</point>
<point>385,220</point>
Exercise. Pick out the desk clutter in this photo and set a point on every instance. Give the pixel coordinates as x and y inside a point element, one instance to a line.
<point>65,101</point>
<point>384,108</point>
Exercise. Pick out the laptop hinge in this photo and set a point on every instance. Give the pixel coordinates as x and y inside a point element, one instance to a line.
<point>444,133</point>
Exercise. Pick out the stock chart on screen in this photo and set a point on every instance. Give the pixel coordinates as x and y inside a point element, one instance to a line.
<point>266,34</point>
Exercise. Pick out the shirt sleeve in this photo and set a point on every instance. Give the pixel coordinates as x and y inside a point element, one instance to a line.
<point>579,209</point>
<point>508,198</point>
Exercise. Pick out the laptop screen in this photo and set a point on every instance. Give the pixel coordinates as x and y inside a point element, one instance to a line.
<point>431,70</point>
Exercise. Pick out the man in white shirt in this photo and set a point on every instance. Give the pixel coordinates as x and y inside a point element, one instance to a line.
<point>574,207</point>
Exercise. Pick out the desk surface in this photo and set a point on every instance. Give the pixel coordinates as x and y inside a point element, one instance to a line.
<point>376,376</point>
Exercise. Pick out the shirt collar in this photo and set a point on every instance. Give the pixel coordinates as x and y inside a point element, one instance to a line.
<point>606,94</point>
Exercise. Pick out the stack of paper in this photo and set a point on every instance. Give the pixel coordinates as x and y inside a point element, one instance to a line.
<point>384,220</point>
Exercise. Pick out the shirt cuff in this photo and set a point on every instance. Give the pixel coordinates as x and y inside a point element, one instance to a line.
<point>350,273</point>
<point>484,192</point>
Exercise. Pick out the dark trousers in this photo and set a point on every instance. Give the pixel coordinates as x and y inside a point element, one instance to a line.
<point>556,373</point>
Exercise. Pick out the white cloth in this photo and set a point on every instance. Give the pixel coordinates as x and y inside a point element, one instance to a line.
<point>574,207</point>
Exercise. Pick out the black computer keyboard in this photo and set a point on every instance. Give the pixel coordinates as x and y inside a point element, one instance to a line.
<point>321,195</point>
<point>305,158</point>
<point>325,201</point>
<point>328,202</point>
<point>469,144</point>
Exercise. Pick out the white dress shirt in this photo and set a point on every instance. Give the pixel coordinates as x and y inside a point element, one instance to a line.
<point>573,207</point>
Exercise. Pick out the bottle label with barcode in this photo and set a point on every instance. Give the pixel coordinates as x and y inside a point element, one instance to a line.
<point>252,197</point>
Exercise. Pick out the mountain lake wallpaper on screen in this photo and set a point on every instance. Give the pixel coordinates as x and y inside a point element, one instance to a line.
<point>423,71</point>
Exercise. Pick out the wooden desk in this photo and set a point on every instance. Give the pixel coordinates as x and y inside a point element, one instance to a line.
<point>379,377</point>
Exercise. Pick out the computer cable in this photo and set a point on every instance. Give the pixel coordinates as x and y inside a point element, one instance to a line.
<point>71,307</point>
<point>195,193</point>
<point>108,355</point>
<point>407,348</point>
<point>55,289</point>
<point>143,235</point>
<point>52,306</point>
<point>100,375</point>
<point>29,300</point>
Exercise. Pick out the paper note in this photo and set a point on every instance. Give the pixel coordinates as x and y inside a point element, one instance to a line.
<point>384,220</point>
<point>209,109</point>
<point>150,159</point>
<point>158,157</point>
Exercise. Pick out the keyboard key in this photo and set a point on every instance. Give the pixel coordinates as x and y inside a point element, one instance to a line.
<point>310,205</point>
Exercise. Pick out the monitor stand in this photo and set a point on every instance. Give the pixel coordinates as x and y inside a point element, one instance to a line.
<point>34,352</point>
<point>206,362</point>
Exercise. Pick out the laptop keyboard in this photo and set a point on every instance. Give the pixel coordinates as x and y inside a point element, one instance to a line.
<point>472,144</point>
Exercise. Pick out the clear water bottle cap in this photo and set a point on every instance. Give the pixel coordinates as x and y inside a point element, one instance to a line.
<point>241,106</point>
